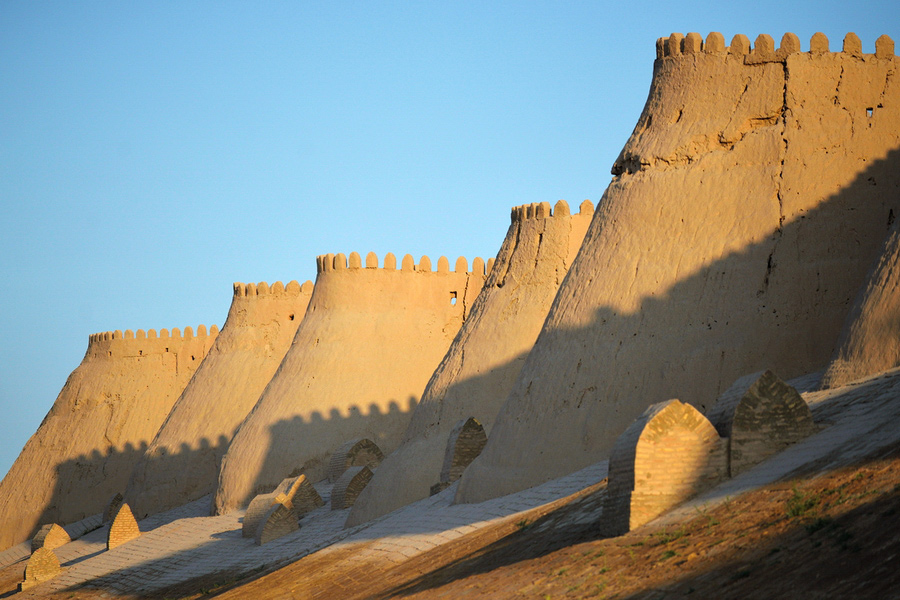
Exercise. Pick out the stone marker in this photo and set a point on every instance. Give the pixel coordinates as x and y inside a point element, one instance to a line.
<point>669,454</point>
<point>112,507</point>
<point>294,493</point>
<point>761,415</point>
<point>278,521</point>
<point>42,565</point>
<point>348,487</point>
<point>355,453</point>
<point>124,527</point>
<point>50,536</point>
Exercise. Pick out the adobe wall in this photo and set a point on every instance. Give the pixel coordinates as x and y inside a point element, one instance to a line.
<point>370,340</point>
<point>870,340</point>
<point>183,460</point>
<point>110,408</point>
<point>743,215</point>
<point>483,362</point>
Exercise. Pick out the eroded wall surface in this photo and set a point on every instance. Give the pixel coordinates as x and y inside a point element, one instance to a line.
<point>107,413</point>
<point>370,340</point>
<point>745,210</point>
<point>483,362</point>
<point>182,462</point>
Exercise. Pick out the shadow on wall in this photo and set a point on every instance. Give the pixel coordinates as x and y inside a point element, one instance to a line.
<point>736,315</point>
<point>86,477</point>
<point>380,426</point>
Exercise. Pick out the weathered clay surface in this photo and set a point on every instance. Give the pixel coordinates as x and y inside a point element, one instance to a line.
<point>50,536</point>
<point>744,214</point>
<point>761,416</point>
<point>110,408</point>
<point>360,359</point>
<point>182,462</point>
<point>870,340</point>
<point>124,527</point>
<point>669,454</point>
<point>481,366</point>
<point>42,565</point>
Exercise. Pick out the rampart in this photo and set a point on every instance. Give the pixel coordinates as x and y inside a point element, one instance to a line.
<point>363,353</point>
<point>178,466</point>
<point>481,365</point>
<point>110,408</point>
<point>744,212</point>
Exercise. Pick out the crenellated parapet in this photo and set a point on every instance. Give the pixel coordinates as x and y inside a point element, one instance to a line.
<point>144,343</point>
<point>542,210</point>
<point>341,262</point>
<point>277,289</point>
<point>763,48</point>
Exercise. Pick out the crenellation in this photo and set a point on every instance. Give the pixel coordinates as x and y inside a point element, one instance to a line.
<point>715,43</point>
<point>175,334</point>
<point>390,262</point>
<point>408,263</point>
<point>543,210</point>
<point>586,208</point>
<point>461,266</point>
<point>673,44</point>
<point>790,44</point>
<point>141,334</point>
<point>129,334</point>
<point>371,260</point>
<point>188,333</point>
<point>660,47</point>
<point>340,262</point>
<point>818,43</point>
<point>250,289</point>
<point>262,288</point>
<point>424,264</point>
<point>740,45</point>
<point>151,334</point>
<point>693,43</point>
<point>443,265</point>
<point>306,288</point>
<point>117,334</point>
<point>884,47</point>
<point>561,209</point>
<point>354,261</point>
<point>277,289</point>
<point>478,266</point>
<point>852,45</point>
<point>490,265</point>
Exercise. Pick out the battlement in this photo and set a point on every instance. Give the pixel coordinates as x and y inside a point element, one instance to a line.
<point>542,210</point>
<point>276,289</point>
<point>340,262</point>
<point>144,343</point>
<point>763,49</point>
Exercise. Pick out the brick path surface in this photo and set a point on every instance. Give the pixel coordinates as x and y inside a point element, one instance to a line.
<point>184,544</point>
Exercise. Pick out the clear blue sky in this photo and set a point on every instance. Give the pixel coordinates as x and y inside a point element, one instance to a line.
<point>153,153</point>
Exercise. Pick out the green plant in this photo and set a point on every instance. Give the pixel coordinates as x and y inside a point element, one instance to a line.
<point>667,555</point>
<point>800,503</point>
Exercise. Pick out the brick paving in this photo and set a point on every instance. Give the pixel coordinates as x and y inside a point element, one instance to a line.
<point>185,544</point>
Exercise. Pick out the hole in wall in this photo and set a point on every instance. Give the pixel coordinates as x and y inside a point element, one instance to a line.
<point>192,357</point>
<point>291,317</point>
<point>140,352</point>
<point>452,298</point>
<point>167,349</point>
<point>869,111</point>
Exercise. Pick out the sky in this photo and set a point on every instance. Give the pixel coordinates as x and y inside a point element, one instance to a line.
<point>153,153</point>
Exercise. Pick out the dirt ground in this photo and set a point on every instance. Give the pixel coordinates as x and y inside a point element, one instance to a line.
<point>831,535</point>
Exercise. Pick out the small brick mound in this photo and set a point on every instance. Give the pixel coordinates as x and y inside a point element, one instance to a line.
<point>466,441</point>
<point>294,493</point>
<point>112,507</point>
<point>669,454</point>
<point>50,536</point>
<point>124,527</point>
<point>355,453</point>
<point>347,489</point>
<point>42,565</point>
<point>761,415</point>
<point>278,521</point>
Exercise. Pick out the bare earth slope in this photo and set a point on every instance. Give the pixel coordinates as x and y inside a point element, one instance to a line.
<point>484,360</point>
<point>182,462</point>
<point>747,208</point>
<point>370,340</point>
<point>110,408</point>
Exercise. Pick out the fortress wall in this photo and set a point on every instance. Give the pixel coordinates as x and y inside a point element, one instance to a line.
<point>110,408</point>
<point>183,460</point>
<point>745,210</point>
<point>363,353</point>
<point>481,365</point>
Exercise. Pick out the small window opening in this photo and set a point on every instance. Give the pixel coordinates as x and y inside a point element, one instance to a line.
<point>167,349</point>
<point>452,298</point>
<point>192,357</point>
<point>140,352</point>
<point>291,317</point>
<point>869,111</point>
<point>109,352</point>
